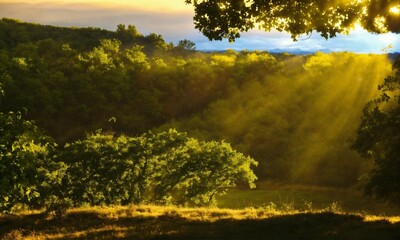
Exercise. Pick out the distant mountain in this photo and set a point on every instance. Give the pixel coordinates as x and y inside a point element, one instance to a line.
<point>394,56</point>
<point>294,51</point>
<point>297,51</point>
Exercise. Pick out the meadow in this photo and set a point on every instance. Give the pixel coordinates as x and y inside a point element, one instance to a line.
<point>270,212</point>
<point>306,198</point>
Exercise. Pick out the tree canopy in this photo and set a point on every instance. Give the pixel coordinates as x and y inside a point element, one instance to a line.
<point>378,138</point>
<point>218,19</point>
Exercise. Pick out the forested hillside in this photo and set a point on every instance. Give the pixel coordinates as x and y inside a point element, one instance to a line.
<point>295,114</point>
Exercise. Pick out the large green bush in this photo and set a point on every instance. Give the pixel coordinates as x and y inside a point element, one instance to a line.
<point>168,167</point>
<point>163,168</point>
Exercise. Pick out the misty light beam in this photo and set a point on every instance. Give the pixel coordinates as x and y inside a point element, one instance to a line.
<point>395,10</point>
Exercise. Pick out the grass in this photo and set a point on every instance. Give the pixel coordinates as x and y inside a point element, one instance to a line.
<point>305,198</point>
<point>288,219</point>
<point>156,222</point>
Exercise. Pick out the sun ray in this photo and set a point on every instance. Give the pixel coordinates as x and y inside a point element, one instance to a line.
<point>395,10</point>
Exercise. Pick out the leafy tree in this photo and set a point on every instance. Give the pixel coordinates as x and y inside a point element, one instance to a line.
<point>129,34</point>
<point>219,19</point>
<point>378,138</point>
<point>168,167</point>
<point>26,169</point>
<point>187,45</point>
<point>193,172</point>
<point>156,43</point>
<point>105,170</point>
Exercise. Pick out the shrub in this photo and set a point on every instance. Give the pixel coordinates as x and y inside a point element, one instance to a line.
<point>168,167</point>
<point>27,171</point>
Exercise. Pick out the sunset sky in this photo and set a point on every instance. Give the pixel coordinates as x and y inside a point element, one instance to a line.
<point>173,20</point>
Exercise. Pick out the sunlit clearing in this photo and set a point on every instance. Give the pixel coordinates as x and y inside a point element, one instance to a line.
<point>395,10</point>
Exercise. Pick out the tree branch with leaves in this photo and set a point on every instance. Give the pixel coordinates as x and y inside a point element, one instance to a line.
<point>218,19</point>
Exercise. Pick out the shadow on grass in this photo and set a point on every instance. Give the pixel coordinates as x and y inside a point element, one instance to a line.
<point>172,226</point>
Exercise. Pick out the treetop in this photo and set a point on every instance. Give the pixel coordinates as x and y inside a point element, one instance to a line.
<point>218,19</point>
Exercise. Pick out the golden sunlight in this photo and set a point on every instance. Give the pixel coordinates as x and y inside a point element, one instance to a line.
<point>395,10</point>
<point>380,23</point>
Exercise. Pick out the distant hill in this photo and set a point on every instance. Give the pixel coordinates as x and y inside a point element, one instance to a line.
<point>294,51</point>
<point>297,51</point>
<point>22,32</point>
<point>14,32</point>
<point>393,56</point>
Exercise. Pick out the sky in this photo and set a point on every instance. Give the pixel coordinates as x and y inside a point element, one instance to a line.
<point>173,19</point>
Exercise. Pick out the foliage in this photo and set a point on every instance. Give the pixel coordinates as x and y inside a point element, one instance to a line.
<point>168,167</point>
<point>218,19</point>
<point>14,32</point>
<point>26,168</point>
<point>378,138</point>
<point>129,34</point>
<point>186,44</point>
<point>293,115</point>
<point>290,112</point>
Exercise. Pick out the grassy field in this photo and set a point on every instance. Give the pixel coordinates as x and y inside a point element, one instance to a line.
<point>290,218</point>
<point>305,198</point>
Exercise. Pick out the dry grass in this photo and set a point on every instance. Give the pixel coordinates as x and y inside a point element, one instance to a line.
<point>278,212</point>
<point>169,222</point>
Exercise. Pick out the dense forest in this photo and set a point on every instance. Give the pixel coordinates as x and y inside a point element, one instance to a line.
<point>295,114</point>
